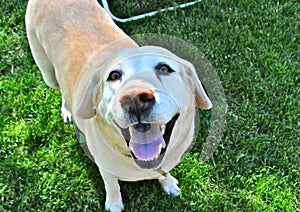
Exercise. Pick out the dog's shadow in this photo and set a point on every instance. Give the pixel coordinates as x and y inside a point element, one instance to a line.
<point>148,195</point>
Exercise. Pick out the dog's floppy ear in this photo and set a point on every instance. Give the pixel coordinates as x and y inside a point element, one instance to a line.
<point>201,98</point>
<point>87,107</point>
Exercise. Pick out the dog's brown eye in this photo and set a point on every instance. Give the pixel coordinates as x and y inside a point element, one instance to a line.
<point>114,75</point>
<point>163,68</point>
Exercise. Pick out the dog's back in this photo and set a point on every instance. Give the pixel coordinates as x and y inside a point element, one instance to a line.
<point>63,36</point>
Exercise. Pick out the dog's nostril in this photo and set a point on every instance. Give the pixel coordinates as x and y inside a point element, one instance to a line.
<point>146,96</point>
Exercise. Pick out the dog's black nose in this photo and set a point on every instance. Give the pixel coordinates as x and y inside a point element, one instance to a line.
<point>138,102</point>
<point>144,100</point>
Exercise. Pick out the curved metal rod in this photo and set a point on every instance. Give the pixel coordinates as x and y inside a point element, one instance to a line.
<point>123,20</point>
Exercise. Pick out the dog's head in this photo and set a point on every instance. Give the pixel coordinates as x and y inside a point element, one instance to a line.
<point>143,92</point>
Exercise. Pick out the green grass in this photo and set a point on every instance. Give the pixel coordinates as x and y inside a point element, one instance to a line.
<point>254,47</point>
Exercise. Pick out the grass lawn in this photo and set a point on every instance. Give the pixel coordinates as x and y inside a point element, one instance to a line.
<point>253,46</point>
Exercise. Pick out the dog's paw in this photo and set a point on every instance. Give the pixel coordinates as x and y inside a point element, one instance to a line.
<point>66,115</point>
<point>114,207</point>
<point>170,185</point>
<point>65,112</point>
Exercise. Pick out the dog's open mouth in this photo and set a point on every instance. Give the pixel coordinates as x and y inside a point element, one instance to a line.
<point>148,142</point>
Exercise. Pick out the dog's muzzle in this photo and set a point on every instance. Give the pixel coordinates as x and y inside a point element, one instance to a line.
<point>146,141</point>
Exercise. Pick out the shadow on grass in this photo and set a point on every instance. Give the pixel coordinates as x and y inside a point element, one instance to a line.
<point>150,196</point>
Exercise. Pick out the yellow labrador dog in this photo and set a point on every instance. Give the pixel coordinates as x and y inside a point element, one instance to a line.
<point>135,105</point>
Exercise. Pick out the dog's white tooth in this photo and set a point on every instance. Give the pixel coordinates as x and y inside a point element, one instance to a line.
<point>163,128</point>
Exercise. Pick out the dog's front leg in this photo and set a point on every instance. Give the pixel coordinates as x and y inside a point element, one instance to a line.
<point>65,112</point>
<point>113,200</point>
<point>170,184</point>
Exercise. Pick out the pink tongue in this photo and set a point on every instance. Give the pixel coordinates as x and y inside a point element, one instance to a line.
<point>147,145</point>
